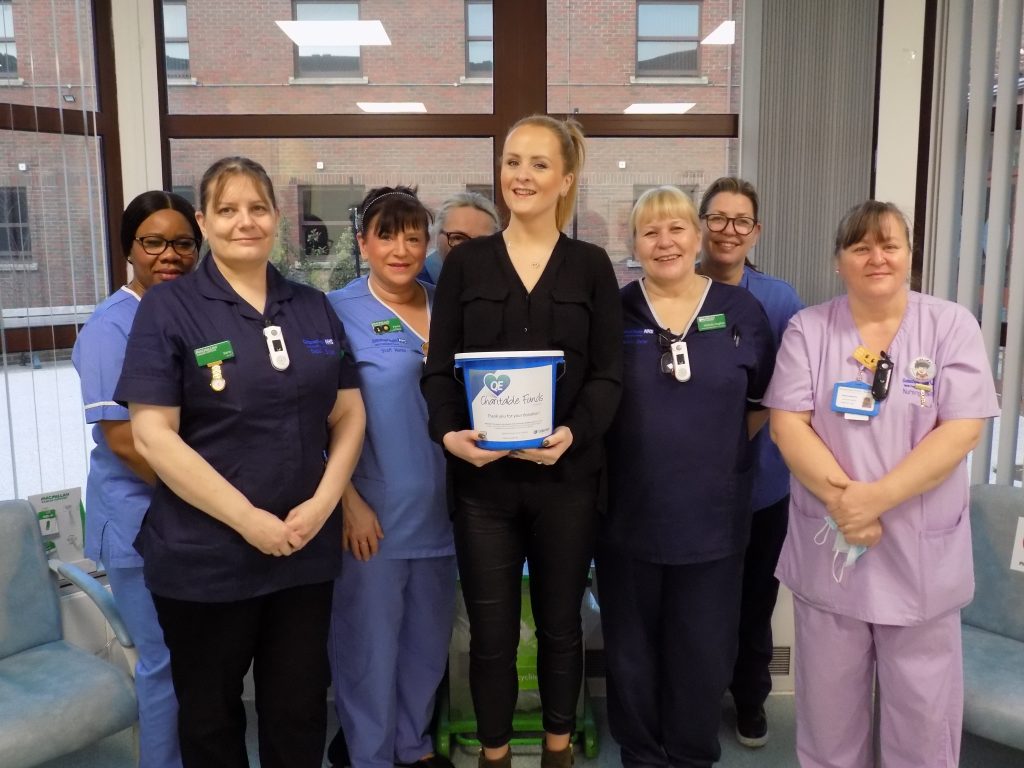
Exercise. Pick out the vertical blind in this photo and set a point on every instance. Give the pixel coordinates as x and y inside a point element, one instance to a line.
<point>975,219</point>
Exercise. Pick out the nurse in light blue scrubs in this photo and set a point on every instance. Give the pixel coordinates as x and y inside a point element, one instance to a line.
<point>160,238</point>
<point>394,602</point>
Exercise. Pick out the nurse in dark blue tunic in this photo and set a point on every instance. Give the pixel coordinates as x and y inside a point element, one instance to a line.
<point>697,357</point>
<point>244,400</point>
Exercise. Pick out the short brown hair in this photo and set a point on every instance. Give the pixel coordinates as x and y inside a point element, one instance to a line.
<point>868,218</point>
<point>217,176</point>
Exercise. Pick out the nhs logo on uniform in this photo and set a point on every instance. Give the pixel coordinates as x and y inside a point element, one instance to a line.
<point>319,346</point>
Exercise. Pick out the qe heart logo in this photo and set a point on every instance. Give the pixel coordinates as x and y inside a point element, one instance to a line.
<point>497,384</point>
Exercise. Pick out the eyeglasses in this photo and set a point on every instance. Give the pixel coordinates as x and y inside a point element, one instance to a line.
<point>455,238</point>
<point>155,245</point>
<point>742,225</point>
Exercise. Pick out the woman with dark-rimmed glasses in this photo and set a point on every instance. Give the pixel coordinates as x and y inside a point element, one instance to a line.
<point>160,238</point>
<point>729,217</point>
<point>697,357</point>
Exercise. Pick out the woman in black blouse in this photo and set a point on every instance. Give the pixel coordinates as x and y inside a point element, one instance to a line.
<point>528,287</point>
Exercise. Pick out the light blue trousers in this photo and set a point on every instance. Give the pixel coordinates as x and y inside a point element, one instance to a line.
<point>391,623</point>
<point>158,707</point>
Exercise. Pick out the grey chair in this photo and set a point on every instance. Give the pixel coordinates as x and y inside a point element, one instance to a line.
<point>54,698</point>
<point>993,625</point>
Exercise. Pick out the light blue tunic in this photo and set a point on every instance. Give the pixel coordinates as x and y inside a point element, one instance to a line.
<point>116,498</point>
<point>401,472</point>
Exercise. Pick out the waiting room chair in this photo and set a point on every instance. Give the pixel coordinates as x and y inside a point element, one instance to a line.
<point>54,698</point>
<point>993,625</point>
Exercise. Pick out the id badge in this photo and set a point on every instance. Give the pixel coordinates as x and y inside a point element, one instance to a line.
<point>854,400</point>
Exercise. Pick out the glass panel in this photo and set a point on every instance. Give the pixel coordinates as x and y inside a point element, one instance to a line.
<point>315,242</point>
<point>177,59</point>
<point>425,62</point>
<point>479,20</point>
<point>8,60</point>
<point>6,20</point>
<point>657,58</point>
<point>608,190</point>
<point>52,55</point>
<point>481,57</point>
<point>668,20</point>
<point>597,65</point>
<point>175,21</point>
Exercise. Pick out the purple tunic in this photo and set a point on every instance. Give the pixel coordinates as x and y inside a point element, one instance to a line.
<point>922,566</point>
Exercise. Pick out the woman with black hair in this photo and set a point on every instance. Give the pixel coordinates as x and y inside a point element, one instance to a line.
<point>160,238</point>
<point>394,601</point>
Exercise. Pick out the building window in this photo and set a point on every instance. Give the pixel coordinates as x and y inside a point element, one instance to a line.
<point>327,255</point>
<point>479,38</point>
<point>667,39</point>
<point>176,39</point>
<point>8,50</point>
<point>186,191</point>
<point>15,242</point>
<point>326,60</point>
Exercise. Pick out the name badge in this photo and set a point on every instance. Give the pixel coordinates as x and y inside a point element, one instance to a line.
<point>214,353</point>
<point>711,322</point>
<point>393,325</point>
<point>854,400</point>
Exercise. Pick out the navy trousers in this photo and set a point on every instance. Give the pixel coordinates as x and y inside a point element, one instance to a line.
<point>670,643</point>
<point>284,636</point>
<point>751,678</point>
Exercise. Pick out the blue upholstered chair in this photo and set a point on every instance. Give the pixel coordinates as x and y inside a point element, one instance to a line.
<point>54,698</point>
<point>993,625</point>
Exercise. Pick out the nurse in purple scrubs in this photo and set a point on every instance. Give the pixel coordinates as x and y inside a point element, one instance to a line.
<point>877,398</point>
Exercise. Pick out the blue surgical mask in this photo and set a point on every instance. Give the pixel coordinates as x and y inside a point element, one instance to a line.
<point>839,547</point>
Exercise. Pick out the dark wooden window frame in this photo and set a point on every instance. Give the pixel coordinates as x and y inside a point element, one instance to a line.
<point>101,124</point>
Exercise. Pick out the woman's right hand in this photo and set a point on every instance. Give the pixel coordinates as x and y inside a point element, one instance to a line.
<point>269,533</point>
<point>360,527</point>
<point>867,536</point>
<point>463,444</point>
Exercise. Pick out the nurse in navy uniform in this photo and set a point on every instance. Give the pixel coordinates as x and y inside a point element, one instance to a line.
<point>244,400</point>
<point>697,357</point>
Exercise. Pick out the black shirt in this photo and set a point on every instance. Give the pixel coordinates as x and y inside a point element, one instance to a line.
<point>482,305</point>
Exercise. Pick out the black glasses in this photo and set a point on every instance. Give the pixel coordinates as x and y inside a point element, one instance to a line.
<point>455,238</point>
<point>742,225</point>
<point>155,245</point>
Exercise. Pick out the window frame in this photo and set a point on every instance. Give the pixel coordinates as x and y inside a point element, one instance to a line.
<point>178,75</point>
<point>479,73</point>
<point>299,74</point>
<point>9,41</point>
<point>640,39</point>
<point>22,223</point>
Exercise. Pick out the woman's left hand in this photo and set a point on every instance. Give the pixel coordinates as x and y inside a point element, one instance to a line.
<point>307,519</point>
<point>858,505</point>
<point>554,446</point>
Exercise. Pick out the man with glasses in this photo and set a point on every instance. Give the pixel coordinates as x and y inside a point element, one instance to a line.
<point>461,217</point>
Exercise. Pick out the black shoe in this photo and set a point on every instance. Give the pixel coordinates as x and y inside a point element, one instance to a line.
<point>337,751</point>
<point>752,728</point>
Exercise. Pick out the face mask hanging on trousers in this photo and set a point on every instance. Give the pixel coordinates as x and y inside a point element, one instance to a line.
<point>839,547</point>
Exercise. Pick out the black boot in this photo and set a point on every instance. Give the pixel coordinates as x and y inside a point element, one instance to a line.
<point>561,758</point>
<point>505,761</point>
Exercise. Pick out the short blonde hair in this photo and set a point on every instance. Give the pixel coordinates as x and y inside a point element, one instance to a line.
<point>665,202</point>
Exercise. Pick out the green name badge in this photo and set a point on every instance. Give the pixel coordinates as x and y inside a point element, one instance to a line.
<point>394,325</point>
<point>214,353</point>
<point>711,322</point>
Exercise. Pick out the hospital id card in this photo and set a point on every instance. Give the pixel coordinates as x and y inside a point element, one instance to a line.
<point>854,400</point>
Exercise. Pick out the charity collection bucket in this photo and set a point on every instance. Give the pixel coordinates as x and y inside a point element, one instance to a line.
<point>511,395</point>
